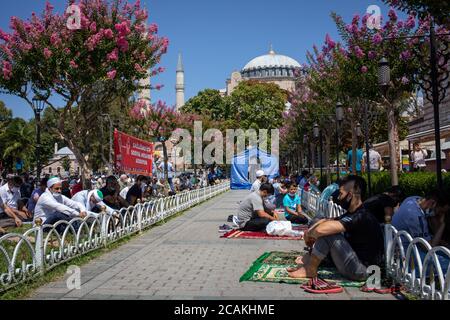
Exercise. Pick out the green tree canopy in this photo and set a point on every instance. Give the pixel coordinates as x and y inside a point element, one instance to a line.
<point>208,102</point>
<point>257,105</point>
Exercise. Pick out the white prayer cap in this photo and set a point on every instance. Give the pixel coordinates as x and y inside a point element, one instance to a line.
<point>260,173</point>
<point>51,182</point>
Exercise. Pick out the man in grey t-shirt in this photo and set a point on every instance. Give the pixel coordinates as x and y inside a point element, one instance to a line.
<point>251,213</point>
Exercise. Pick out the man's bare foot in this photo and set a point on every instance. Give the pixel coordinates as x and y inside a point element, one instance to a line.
<point>302,273</point>
<point>302,260</point>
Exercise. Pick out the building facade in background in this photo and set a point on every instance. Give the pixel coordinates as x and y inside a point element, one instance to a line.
<point>271,67</point>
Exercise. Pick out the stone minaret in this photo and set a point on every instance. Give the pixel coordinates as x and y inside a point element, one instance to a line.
<point>180,84</point>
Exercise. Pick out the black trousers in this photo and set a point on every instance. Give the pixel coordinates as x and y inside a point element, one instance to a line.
<point>297,219</point>
<point>256,224</point>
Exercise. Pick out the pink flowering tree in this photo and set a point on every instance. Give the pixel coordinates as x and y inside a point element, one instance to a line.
<point>359,66</point>
<point>80,72</point>
<point>160,121</point>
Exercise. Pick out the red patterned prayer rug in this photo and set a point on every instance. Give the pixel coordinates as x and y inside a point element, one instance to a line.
<point>238,234</point>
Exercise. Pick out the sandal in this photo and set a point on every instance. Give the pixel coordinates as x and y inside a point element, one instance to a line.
<point>320,286</point>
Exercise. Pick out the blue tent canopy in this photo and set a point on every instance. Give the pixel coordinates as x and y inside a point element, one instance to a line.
<point>241,163</point>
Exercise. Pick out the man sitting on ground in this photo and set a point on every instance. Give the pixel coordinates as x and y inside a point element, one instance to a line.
<point>111,195</point>
<point>92,201</point>
<point>260,179</point>
<point>354,241</point>
<point>135,193</point>
<point>292,206</point>
<point>251,214</point>
<point>383,205</point>
<point>36,194</point>
<point>11,205</point>
<point>52,206</point>
<point>415,212</point>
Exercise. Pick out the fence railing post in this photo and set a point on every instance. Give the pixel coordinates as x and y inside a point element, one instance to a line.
<point>138,208</point>
<point>39,247</point>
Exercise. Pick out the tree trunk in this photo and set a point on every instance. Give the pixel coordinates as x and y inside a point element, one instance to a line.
<point>392,134</point>
<point>166,160</point>
<point>354,147</point>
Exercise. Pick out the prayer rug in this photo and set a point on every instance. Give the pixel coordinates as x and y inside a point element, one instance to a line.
<point>239,234</point>
<point>271,267</point>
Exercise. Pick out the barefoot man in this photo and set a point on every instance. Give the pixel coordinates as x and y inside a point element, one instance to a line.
<point>354,241</point>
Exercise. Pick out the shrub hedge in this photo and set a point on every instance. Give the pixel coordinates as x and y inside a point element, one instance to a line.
<point>412,183</point>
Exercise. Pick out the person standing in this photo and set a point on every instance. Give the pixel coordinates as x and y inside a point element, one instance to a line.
<point>375,160</point>
<point>359,158</point>
<point>418,156</point>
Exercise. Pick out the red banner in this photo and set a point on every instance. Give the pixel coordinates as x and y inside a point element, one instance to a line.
<point>133,155</point>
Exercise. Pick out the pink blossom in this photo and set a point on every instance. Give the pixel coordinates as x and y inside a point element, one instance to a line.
<point>4,36</point>
<point>123,45</point>
<point>364,69</point>
<point>73,64</point>
<point>372,55</point>
<point>7,70</point>
<point>153,28</point>
<point>359,52</point>
<point>392,15</point>
<point>330,43</point>
<point>112,74</point>
<point>377,39</point>
<point>47,53</point>
<point>93,27</point>
<point>410,22</point>
<point>405,55</point>
<point>55,40</point>
<point>138,68</point>
<point>113,56</point>
<point>108,34</point>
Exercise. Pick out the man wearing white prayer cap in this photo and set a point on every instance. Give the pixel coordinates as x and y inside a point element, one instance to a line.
<point>92,200</point>
<point>52,206</point>
<point>260,179</point>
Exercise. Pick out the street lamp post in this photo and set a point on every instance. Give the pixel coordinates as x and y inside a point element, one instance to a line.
<point>110,141</point>
<point>318,135</point>
<point>306,143</point>
<point>366,140</point>
<point>38,107</point>
<point>339,119</point>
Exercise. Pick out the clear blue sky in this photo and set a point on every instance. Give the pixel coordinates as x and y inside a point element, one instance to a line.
<point>217,37</point>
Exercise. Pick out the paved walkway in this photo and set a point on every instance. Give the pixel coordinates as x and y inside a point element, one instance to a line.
<point>186,259</point>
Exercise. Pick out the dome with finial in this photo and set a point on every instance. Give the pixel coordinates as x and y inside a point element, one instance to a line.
<point>271,65</point>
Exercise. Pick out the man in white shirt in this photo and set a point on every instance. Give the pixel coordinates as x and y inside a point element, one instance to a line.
<point>418,156</point>
<point>9,201</point>
<point>92,201</point>
<point>52,206</point>
<point>375,160</point>
<point>260,179</point>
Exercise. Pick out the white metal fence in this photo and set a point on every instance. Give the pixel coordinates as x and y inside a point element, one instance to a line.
<point>29,255</point>
<point>326,208</point>
<point>419,268</point>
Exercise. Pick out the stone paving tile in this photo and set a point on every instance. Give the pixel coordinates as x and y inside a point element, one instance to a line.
<point>186,259</point>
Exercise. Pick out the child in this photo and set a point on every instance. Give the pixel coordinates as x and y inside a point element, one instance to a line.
<point>292,206</point>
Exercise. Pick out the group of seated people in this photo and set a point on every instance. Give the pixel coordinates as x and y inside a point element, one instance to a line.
<point>355,240</point>
<point>56,200</point>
